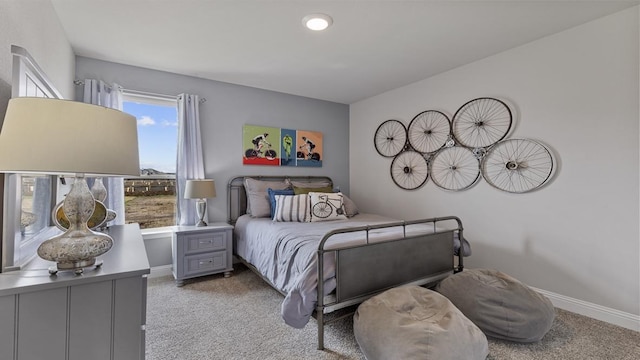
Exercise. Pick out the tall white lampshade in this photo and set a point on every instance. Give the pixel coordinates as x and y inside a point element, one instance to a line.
<point>200,189</point>
<point>62,137</point>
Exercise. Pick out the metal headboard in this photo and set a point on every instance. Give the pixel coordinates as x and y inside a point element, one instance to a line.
<point>237,197</point>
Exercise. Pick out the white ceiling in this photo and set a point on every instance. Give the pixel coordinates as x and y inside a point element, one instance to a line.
<point>372,47</point>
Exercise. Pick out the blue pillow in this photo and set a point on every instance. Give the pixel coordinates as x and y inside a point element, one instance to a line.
<point>272,197</point>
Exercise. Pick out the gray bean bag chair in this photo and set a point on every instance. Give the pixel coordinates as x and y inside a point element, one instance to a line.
<point>503,307</point>
<point>412,322</point>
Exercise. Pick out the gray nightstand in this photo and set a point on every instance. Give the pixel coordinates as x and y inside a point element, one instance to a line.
<point>198,251</point>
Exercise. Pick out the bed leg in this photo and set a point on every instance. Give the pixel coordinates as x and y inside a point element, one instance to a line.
<point>320,320</point>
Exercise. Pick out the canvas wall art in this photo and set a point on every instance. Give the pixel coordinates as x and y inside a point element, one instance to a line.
<point>260,144</point>
<point>288,148</point>
<point>263,145</point>
<point>309,148</point>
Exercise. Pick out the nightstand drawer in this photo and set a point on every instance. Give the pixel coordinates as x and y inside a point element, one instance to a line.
<point>195,264</point>
<point>205,241</point>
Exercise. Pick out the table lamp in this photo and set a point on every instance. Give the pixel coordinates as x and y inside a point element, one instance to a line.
<point>62,137</point>
<point>200,190</point>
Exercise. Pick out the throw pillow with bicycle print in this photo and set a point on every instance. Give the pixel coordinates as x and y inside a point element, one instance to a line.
<point>327,206</point>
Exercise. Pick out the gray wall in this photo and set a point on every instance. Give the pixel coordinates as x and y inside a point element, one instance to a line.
<point>576,91</point>
<point>227,109</point>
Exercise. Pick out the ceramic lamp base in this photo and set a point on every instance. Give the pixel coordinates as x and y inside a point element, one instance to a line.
<point>74,251</point>
<point>78,246</point>
<point>201,208</point>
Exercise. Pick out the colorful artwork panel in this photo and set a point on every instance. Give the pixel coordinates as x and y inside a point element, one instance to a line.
<point>309,148</point>
<point>260,145</point>
<point>288,147</point>
<point>265,145</point>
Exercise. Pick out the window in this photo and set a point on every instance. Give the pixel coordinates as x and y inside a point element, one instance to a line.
<point>150,199</point>
<point>36,205</point>
<point>31,196</point>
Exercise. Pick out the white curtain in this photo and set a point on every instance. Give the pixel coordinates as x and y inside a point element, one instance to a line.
<point>98,92</point>
<point>190,163</point>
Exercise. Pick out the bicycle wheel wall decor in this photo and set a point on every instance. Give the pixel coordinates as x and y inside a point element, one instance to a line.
<point>457,153</point>
<point>481,122</point>
<point>390,138</point>
<point>455,168</point>
<point>429,131</point>
<point>409,170</point>
<point>517,165</point>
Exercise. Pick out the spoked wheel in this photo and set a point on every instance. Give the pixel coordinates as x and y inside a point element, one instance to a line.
<point>270,154</point>
<point>481,122</point>
<point>429,131</point>
<point>517,165</point>
<point>390,138</point>
<point>455,168</point>
<point>250,153</point>
<point>322,210</point>
<point>409,170</point>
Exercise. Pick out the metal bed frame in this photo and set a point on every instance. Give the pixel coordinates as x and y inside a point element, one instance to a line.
<point>365,270</point>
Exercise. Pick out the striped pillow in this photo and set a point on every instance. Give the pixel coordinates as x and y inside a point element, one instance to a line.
<point>292,208</point>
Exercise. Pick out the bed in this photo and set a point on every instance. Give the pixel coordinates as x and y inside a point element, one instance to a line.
<point>359,256</point>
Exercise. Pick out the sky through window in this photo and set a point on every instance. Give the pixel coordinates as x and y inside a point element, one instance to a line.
<point>157,135</point>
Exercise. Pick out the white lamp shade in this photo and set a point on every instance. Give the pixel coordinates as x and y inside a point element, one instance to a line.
<point>200,189</point>
<point>52,136</point>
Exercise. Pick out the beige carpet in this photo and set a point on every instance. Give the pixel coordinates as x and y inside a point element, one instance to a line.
<point>239,318</point>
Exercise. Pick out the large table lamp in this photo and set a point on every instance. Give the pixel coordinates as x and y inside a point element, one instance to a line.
<point>68,138</point>
<point>200,190</point>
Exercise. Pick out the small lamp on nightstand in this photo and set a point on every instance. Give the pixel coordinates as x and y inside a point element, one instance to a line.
<point>200,190</point>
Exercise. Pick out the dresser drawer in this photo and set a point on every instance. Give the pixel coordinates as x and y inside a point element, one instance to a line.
<point>204,241</point>
<point>195,264</point>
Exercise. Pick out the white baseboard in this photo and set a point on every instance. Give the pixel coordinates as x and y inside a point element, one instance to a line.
<point>158,271</point>
<point>612,316</point>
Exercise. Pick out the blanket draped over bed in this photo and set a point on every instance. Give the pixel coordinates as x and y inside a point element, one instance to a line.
<point>285,253</point>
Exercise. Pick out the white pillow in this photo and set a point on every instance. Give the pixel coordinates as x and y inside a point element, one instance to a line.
<point>327,206</point>
<point>258,204</point>
<point>292,208</point>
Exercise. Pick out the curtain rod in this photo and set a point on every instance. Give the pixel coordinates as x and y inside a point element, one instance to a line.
<point>144,93</point>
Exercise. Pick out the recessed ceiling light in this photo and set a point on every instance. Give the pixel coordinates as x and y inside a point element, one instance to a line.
<point>317,22</point>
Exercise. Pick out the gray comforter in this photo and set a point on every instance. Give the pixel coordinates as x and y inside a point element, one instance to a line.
<point>285,253</point>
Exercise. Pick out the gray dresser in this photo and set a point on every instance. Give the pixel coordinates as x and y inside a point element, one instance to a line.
<point>98,315</point>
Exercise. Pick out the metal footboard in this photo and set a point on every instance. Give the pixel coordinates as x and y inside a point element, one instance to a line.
<point>365,270</point>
